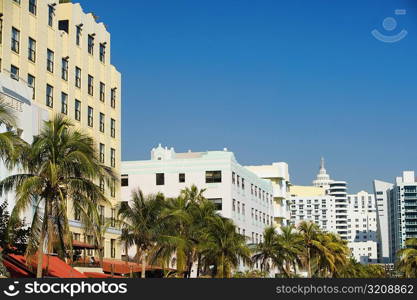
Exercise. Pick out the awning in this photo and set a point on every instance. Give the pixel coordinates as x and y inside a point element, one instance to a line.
<point>122,267</point>
<point>81,245</point>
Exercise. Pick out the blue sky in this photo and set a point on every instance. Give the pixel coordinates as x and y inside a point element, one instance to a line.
<point>270,80</point>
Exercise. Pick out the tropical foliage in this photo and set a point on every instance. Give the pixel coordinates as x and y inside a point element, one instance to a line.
<point>60,165</point>
<point>407,259</point>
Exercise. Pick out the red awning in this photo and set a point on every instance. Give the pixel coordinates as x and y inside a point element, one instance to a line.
<point>81,245</point>
<point>123,267</point>
<point>52,266</point>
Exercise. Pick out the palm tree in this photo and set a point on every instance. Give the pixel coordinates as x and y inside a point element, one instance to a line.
<point>60,165</point>
<point>407,259</point>
<point>332,254</point>
<point>141,224</point>
<point>223,247</point>
<point>9,139</point>
<point>291,244</point>
<point>266,252</point>
<point>310,233</point>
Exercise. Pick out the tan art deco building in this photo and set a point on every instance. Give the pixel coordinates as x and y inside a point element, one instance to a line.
<point>64,54</point>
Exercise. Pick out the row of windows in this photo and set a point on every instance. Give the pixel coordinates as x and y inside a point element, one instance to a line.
<point>50,63</point>
<point>254,190</point>
<point>102,150</point>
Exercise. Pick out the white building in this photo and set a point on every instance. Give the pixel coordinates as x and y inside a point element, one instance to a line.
<point>400,199</point>
<point>17,96</point>
<point>363,226</point>
<point>238,192</point>
<point>278,175</point>
<point>381,191</point>
<point>352,217</point>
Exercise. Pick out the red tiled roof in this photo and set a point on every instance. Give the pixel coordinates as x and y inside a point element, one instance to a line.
<point>123,267</point>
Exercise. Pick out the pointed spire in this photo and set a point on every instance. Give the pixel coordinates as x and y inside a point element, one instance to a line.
<point>322,163</point>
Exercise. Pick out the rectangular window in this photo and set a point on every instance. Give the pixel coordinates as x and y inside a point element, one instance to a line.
<point>102,185</point>
<point>90,116</point>
<point>102,91</point>
<point>233,177</point>
<point>78,35</point>
<point>125,180</point>
<point>218,203</point>
<point>14,72</point>
<point>113,188</point>
<point>32,84</point>
<point>234,205</point>
<point>102,213</point>
<point>113,248</point>
<point>77,110</point>
<point>50,61</point>
<point>102,151</point>
<point>15,40</point>
<point>103,52</point>
<point>160,179</point>
<point>102,117</point>
<point>113,128</point>
<point>32,50</point>
<point>64,103</point>
<point>49,95</point>
<point>243,183</point>
<point>90,85</point>
<point>64,69</point>
<point>113,97</point>
<point>77,214</point>
<point>181,177</point>
<point>113,218</point>
<point>32,6</point>
<point>213,176</point>
<point>91,44</point>
<point>77,77</point>
<point>51,12</point>
<point>113,157</point>
<point>1,31</point>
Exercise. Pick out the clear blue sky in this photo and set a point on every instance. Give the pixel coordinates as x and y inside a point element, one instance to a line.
<point>271,80</point>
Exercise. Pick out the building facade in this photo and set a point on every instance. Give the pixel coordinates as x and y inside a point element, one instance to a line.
<point>278,175</point>
<point>402,210</point>
<point>238,193</point>
<point>64,55</point>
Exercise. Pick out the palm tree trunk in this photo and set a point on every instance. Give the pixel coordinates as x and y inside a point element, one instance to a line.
<point>143,275</point>
<point>198,265</point>
<point>308,263</point>
<point>42,242</point>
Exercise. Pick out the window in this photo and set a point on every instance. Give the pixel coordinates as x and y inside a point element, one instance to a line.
<point>218,203</point>
<point>77,214</point>
<point>113,128</point>
<point>113,248</point>
<point>101,212</point>
<point>238,180</point>
<point>51,12</point>
<point>64,103</point>
<point>64,69</point>
<point>77,77</point>
<point>160,179</point>
<point>234,205</point>
<point>78,34</point>
<point>1,31</point>
<point>125,180</point>
<point>91,44</point>
<point>31,83</point>
<point>90,116</point>
<point>77,237</point>
<point>113,218</point>
<point>113,97</point>
<point>14,72</point>
<point>17,1</point>
<point>243,208</point>
<point>113,188</point>
<point>77,110</point>
<point>32,6</point>
<point>102,91</point>
<point>15,40</point>
<point>90,85</point>
<point>243,183</point>
<point>101,186</point>
<point>32,50</point>
<point>101,122</point>
<point>103,52</point>
<point>113,157</point>
<point>102,150</point>
<point>181,177</point>
<point>90,242</point>
<point>213,176</point>
<point>233,177</point>
<point>50,61</point>
<point>49,95</point>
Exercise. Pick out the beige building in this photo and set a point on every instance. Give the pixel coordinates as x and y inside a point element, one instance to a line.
<point>64,55</point>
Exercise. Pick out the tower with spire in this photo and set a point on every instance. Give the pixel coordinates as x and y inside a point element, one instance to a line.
<point>322,179</point>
